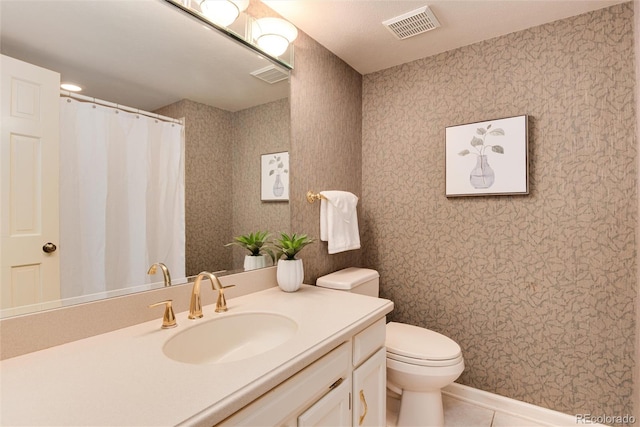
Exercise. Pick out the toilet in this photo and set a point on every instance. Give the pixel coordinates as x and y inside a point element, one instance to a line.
<point>420,362</point>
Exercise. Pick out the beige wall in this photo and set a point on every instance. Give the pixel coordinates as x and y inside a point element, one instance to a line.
<point>208,168</point>
<point>259,130</point>
<point>538,290</point>
<point>222,178</point>
<point>326,145</point>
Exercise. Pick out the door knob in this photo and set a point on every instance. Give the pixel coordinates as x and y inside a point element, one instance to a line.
<point>49,248</point>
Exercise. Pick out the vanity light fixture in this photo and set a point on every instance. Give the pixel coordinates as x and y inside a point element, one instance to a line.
<point>223,12</point>
<point>273,35</point>
<point>71,87</point>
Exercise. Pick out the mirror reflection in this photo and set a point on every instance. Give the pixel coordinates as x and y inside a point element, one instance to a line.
<point>189,185</point>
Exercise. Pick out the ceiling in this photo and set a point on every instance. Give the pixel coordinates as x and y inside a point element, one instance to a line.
<point>146,54</point>
<point>353,30</point>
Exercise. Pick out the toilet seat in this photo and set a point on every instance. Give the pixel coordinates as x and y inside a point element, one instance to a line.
<point>424,362</point>
<point>419,346</point>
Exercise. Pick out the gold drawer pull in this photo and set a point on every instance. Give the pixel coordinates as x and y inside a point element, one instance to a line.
<point>364,402</point>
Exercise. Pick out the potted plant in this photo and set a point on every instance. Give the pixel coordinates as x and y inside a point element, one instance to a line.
<point>256,244</point>
<point>290,273</point>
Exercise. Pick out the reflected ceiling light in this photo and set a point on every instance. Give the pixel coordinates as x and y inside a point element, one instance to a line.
<point>273,35</point>
<point>223,12</point>
<point>71,87</point>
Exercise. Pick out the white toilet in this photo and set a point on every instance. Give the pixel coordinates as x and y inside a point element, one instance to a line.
<point>420,362</point>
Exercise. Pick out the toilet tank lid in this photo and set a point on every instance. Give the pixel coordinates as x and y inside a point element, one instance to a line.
<point>347,278</point>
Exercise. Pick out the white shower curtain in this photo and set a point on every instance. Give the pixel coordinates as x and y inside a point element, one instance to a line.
<point>121,198</point>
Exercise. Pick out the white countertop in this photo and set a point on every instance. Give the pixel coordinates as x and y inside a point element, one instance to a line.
<point>123,378</point>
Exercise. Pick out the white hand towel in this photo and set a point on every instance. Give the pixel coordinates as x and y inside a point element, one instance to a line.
<point>339,221</point>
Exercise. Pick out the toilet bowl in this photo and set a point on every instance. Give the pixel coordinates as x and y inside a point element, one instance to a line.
<point>420,362</point>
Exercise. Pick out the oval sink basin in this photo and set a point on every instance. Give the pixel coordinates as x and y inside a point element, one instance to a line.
<point>230,338</point>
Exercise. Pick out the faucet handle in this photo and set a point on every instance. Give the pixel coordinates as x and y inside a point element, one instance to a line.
<point>169,318</point>
<point>221,303</point>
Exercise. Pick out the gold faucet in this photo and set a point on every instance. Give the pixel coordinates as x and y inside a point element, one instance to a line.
<point>169,319</point>
<point>165,272</point>
<point>195,307</point>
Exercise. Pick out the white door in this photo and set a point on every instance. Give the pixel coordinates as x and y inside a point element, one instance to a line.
<point>332,410</point>
<point>28,184</point>
<point>370,391</point>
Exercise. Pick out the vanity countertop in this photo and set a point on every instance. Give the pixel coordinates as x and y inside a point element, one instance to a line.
<point>123,378</point>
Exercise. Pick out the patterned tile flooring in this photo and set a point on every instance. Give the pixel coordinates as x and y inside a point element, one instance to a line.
<point>462,414</point>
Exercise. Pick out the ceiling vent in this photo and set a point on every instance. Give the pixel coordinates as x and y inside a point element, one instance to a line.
<point>271,74</point>
<point>412,23</point>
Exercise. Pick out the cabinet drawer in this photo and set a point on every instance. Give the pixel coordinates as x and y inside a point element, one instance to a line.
<point>295,394</point>
<point>368,341</point>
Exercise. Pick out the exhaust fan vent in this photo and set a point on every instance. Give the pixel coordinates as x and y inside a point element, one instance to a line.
<point>412,23</point>
<point>271,74</point>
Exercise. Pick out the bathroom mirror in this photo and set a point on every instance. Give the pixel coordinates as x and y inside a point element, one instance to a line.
<point>148,55</point>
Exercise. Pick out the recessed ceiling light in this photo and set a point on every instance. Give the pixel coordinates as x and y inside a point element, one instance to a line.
<point>71,87</point>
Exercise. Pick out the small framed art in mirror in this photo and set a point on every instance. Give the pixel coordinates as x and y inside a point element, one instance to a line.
<point>274,177</point>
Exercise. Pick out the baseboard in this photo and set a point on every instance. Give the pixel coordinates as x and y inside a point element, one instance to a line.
<point>514,407</point>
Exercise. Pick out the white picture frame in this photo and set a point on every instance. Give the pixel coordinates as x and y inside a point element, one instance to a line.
<point>274,180</point>
<point>487,158</point>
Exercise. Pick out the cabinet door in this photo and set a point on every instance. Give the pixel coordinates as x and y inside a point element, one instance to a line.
<point>369,391</point>
<point>332,410</point>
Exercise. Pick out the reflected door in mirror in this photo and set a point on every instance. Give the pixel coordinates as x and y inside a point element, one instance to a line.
<point>29,189</point>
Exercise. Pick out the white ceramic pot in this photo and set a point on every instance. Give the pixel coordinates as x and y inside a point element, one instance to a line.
<point>290,274</point>
<point>252,262</point>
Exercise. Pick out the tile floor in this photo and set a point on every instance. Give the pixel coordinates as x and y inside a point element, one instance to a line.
<point>458,413</point>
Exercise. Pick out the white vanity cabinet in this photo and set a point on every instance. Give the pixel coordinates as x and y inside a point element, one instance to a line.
<point>334,409</point>
<point>370,376</point>
<point>346,387</point>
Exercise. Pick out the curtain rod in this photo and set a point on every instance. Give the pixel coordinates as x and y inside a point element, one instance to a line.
<point>83,98</point>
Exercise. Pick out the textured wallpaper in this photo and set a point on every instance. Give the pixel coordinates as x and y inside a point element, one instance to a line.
<point>326,145</point>
<point>259,130</point>
<point>222,178</point>
<point>208,183</point>
<point>538,290</point>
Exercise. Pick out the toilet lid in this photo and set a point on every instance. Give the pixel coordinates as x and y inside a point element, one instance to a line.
<point>414,342</point>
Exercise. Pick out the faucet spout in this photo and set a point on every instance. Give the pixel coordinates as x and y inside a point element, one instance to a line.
<point>165,272</point>
<point>195,306</point>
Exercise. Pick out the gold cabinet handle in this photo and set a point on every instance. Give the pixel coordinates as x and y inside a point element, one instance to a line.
<point>366,408</point>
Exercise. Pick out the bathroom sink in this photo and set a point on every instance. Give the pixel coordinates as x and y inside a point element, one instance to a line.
<point>230,338</point>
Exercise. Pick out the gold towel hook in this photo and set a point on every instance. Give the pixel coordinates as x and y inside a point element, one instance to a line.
<point>312,197</point>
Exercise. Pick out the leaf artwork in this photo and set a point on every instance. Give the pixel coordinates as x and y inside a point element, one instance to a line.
<point>482,176</point>
<point>478,141</point>
<point>279,165</point>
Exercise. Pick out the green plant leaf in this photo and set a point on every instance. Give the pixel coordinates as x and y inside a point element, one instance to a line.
<point>497,149</point>
<point>476,141</point>
<point>497,132</point>
<point>464,153</point>
<point>488,127</point>
<point>256,243</point>
<point>289,245</point>
<point>481,131</point>
<point>271,172</point>
<point>280,165</point>
<point>271,161</point>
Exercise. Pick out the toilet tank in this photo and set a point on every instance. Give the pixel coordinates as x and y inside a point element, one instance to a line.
<point>362,281</point>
